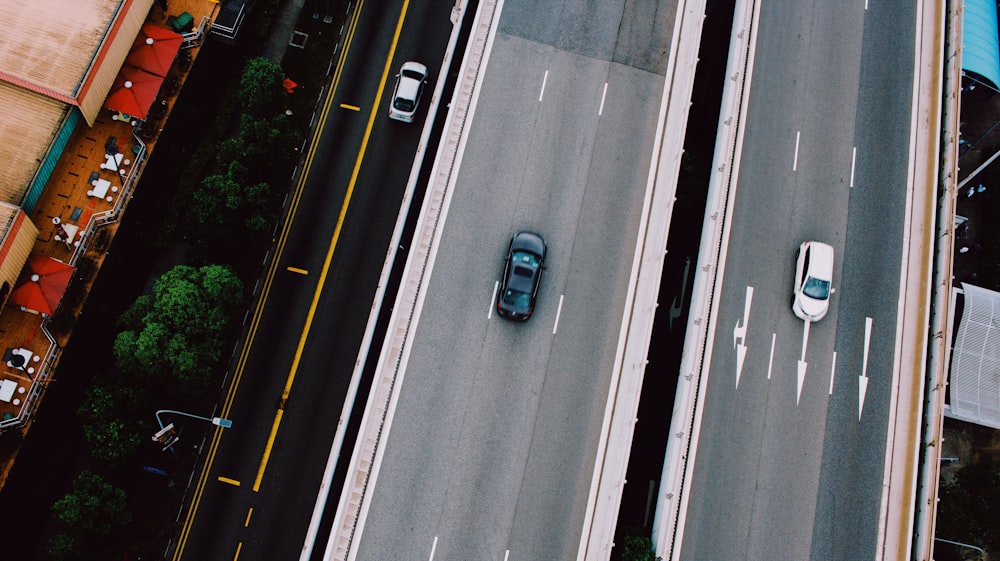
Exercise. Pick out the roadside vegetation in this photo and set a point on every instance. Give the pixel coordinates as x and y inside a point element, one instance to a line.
<point>172,344</point>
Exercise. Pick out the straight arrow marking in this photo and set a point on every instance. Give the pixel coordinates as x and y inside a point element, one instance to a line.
<point>740,335</point>
<point>863,379</point>
<point>801,378</point>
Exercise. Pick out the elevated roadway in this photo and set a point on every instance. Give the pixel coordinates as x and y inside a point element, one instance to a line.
<point>800,440</point>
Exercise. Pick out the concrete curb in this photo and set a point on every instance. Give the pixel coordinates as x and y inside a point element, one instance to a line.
<point>362,472</point>
<point>668,524</point>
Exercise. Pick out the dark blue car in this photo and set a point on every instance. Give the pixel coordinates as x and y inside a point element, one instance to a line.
<point>523,270</point>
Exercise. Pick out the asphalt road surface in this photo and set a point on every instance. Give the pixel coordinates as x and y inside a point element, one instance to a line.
<point>259,490</point>
<point>494,437</point>
<point>790,457</point>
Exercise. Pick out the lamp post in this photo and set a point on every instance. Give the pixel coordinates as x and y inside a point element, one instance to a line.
<point>218,421</point>
<point>981,552</point>
<point>167,436</point>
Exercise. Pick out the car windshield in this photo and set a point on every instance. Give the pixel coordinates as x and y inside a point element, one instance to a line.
<point>403,104</point>
<point>817,289</point>
<point>517,300</point>
<point>413,74</point>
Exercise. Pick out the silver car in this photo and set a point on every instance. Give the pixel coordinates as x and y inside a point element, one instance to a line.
<point>406,95</point>
<point>813,281</point>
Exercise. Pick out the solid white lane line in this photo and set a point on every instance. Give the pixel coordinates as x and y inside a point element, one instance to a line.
<point>433,548</point>
<point>770,362</point>
<point>558,313</point>
<point>506,555</point>
<point>795,162</point>
<point>493,300</point>
<point>854,159</point>
<point>833,368</point>
<point>544,80</point>
<point>603,97</point>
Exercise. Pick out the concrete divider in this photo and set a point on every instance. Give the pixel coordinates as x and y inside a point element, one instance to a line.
<point>604,500</point>
<point>668,524</point>
<point>362,471</point>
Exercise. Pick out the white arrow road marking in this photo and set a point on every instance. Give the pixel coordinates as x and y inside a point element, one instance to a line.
<point>863,379</point>
<point>740,334</point>
<point>675,306</point>
<point>801,378</point>
<point>770,363</point>
<point>833,368</point>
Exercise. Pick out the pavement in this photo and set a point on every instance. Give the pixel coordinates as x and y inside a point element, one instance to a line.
<point>282,27</point>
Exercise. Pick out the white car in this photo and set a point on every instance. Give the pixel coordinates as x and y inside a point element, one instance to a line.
<point>406,95</point>
<point>813,280</point>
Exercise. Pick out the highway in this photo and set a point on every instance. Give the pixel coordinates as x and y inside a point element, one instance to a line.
<point>253,499</point>
<point>495,433</point>
<point>792,441</point>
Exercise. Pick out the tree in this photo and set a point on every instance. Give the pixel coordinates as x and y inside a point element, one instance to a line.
<point>261,89</point>
<point>180,337</point>
<point>110,439</point>
<point>968,509</point>
<point>92,508</point>
<point>638,548</point>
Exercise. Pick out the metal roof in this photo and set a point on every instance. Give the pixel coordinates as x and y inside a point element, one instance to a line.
<point>980,49</point>
<point>975,360</point>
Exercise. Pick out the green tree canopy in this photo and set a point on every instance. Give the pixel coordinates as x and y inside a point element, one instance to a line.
<point>261,89</point>
<point>93,507</point>
<point>180,336</point>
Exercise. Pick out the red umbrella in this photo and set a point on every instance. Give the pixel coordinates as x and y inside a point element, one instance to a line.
<point>134,92</point>
<point>42,284</point>
<point>154,49</point>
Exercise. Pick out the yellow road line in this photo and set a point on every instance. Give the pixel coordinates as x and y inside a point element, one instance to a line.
<point>351,107</point>
<point>258,311</point>
<point>239,547</point>
<point>229,480</point>
<point>298,270</point>
<point>246,523</point>
<point>329,252</point>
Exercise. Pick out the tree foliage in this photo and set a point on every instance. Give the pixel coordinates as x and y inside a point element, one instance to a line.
<point>970,506</point>
<point>638,548</point>
<point>261,86</point>
<point>93,507</point>
<point>179,338</point>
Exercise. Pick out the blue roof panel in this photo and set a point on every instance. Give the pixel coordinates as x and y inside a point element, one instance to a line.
<point>980,45</point>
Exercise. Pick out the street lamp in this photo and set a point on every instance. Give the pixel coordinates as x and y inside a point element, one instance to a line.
<point>168,436</point>
<point>981,552</point>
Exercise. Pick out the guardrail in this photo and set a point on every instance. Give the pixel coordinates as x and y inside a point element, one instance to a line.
<point>362,472</point>
<point>668,523</point>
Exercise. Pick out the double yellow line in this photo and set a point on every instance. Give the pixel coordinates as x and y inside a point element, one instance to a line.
<point>279,249</point>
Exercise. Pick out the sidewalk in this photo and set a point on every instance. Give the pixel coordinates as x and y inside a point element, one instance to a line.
<point>282,27</point>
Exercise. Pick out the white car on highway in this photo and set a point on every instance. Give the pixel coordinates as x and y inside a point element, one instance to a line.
<point>406,95</point>
<point>813,280</point>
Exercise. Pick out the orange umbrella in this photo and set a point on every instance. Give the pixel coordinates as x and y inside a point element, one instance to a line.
<point>134,92</point>
<point>41,285</point>
<point>154,49</point>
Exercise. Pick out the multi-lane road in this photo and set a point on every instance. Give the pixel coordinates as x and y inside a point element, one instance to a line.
<point>791,448</point>
<point>495,434</point>
<point>254,499</point>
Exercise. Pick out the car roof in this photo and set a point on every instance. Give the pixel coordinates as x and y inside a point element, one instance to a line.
<point>409,87</point>
<point>530,242</point>
<point>820,260</point>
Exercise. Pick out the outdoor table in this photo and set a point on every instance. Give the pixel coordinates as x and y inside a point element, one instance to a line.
<point>7,388</point>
